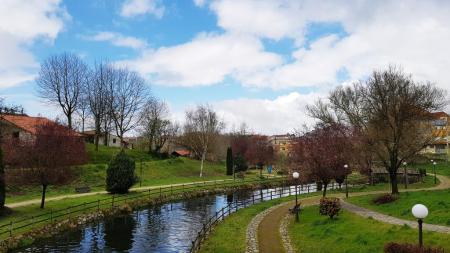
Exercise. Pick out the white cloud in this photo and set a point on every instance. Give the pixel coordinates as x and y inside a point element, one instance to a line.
<point>413,34</point>
<point>22,22</point>
<point>206,60</point>
<point>118,39</point>
<point>284,113</point>
<point>132,8</point>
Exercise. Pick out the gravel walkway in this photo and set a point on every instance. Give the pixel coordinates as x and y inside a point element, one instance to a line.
<point>252,229</point>
<point>286,240</point>
<point>391,220</point>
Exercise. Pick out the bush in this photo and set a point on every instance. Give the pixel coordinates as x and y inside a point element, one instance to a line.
<point>384,199</point>
<point>393,247</point>
<point>120,174</point>
<point>330,207</point>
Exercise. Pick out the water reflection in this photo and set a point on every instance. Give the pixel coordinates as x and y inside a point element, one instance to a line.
<point>166,228</point>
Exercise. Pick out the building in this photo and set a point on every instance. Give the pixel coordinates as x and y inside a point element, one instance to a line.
<point>22,126</point>
<point>112,140</point>
<point>282,143</point>
<point>440,133</point>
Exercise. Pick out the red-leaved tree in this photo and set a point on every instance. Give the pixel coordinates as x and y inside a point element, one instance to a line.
<point>45,158</point>
<point>259,151</point>
<point>322,153</point>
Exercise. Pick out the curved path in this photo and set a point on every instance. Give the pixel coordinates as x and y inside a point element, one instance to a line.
<point>272,235</point>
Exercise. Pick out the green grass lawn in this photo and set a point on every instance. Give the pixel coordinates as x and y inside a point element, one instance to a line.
<point>442,167</point>
<point>352,233</point>
<point>438,203</point>
<point>154,172</point>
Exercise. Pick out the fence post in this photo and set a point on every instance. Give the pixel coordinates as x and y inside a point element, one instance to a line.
<point>308,188</point>
<point>253,198</point>
<point>10,228</point>
<point>271,192</point>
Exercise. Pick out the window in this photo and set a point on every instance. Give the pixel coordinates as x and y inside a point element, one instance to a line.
<point>114,140</point>
<point>15,134</point>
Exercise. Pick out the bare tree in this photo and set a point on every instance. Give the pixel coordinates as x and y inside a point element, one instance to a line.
<point>98,96</point>
<point>201,127</point>
<point>153,117</point>
<point>129,93</point>
<point>61,80</point>
<point>83,109</point>
<point>391,110</point>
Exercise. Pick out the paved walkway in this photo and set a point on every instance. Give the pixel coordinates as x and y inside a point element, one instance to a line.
<point>272,235</point>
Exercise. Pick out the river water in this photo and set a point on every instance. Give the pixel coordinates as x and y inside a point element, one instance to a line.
<point>164,228</point>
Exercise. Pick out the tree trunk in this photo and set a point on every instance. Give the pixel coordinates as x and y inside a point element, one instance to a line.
<point>44,189</point>
<point>394,186</point>
<point>324,193</point>
<point>69,120</point>
<point>2,181</point>
<point>201,164</point>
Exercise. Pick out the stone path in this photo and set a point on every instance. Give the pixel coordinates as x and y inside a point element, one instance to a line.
<point>252,229</point>
<point>391,220</point>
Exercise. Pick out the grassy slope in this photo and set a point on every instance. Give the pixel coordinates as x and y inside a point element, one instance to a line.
<point>442,167</point>
<point>154,172</point>
<point>438,203</point>
<point>352,233</point>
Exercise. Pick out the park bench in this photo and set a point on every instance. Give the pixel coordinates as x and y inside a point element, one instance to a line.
<point>82,189</point>
<point>294,209</point>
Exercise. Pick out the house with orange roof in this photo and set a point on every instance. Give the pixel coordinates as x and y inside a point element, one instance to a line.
<point>440,133</point>
<point>22,126</point>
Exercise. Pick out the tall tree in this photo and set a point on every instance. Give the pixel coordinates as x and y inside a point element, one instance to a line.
<point>61,80</point>
<point>259,152</point>
<point>229,161</point>
<point>322,153</point>
<point>154,117</point>
<point>201,127</point>
<point>391,110</point>
<point>47,158</point>
<point>98,95</point>
<point>129,95</point>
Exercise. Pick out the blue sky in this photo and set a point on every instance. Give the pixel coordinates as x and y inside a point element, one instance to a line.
<point>258,62</point>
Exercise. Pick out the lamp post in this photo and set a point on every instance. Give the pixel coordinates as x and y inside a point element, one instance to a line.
<point>420,212</point>
<point>346,181</point>
<point>296,175</point>
<point>406,175</point>
<point>434,171</point>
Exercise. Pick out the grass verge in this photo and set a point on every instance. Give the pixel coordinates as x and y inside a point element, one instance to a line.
<point>438,203</point>
<point>352,233</point>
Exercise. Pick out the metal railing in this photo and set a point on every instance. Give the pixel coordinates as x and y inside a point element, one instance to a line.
<point>13,227</point>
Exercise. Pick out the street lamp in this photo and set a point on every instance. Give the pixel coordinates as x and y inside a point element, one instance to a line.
<point>406,175</point>
<point>296,175</point>
<point>420,212</point>
<point>434,171</point>
<point>346,182</point>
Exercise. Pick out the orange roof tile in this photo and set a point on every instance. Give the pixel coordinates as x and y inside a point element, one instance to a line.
<point>27,123</point>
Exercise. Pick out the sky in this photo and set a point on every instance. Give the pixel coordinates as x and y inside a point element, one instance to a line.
<point>254,61</point>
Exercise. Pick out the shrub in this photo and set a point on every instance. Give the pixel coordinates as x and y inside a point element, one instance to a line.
<point>384,199</point>
<point>329,207</point>
<point>120,174</point>
<point>393,247</point>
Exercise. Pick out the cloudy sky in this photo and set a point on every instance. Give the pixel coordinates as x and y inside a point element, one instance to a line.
<point>258,62</point>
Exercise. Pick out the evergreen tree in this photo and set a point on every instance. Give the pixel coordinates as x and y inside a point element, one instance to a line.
<point>229,161</point>
<point>120,174</point>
